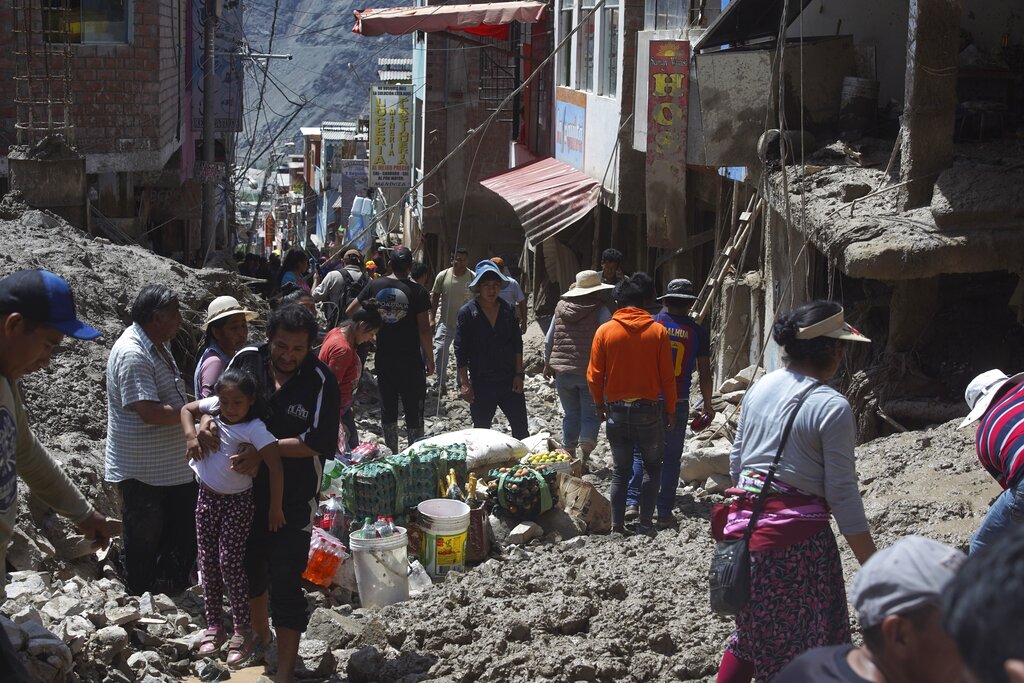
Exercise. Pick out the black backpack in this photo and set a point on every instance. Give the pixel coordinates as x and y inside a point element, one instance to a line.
<point>342,296</point>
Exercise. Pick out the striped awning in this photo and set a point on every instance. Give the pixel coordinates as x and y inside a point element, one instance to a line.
<point>547,195</point>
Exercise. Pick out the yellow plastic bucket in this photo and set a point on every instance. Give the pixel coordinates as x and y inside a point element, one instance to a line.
<point>445,527</point>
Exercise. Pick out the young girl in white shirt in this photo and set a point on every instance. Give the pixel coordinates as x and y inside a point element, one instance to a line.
<point>225,509</point>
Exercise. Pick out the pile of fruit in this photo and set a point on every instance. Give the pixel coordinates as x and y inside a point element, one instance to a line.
<point>552,457</point>
<point>524,491</point>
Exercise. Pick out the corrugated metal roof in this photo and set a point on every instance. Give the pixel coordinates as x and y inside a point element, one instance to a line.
<point>394,76</point>
<point>547,196</point>
<point>333,131</point>
<point>309,131</point>
<point>396,62</point>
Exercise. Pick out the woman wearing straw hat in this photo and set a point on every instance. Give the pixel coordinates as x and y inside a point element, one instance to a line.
<point>998,402</point>
<point>567,354</point>
<point>227,330</point>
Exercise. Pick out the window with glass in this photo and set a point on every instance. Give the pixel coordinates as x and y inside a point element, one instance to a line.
<point>586,42</point>
<point>665,14</point>
<point>565,53</point>
<point>609,50</point>
<point>87,21</point>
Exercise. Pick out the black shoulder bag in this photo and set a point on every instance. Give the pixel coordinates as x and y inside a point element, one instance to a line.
<point>729,576</point>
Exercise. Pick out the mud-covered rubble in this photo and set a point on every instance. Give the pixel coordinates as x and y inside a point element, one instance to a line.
<point>93,624</point>
<point>635,609</point>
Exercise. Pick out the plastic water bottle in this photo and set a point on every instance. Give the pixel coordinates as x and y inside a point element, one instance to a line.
<point>390,526</point>
<point>381,527</point>
<point>367,530</point>
<point>334,516</point>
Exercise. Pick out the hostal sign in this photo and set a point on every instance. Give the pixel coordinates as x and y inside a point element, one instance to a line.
<point>390,136</point>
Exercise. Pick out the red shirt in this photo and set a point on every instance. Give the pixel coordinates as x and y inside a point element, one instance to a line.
<point>343,360</point>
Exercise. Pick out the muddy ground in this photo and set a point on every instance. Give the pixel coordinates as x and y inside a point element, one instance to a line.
<point>560,609</point>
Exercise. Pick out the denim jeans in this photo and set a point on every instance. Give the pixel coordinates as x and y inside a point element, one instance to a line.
<point>580,424</point>
<point>444,337</point>
<point>670,469</point>
<point>639,427</point>
<point>1006,513</point>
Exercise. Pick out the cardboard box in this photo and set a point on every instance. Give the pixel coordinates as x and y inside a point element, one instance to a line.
<point>583,501</point>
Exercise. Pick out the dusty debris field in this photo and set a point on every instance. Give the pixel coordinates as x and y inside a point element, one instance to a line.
<point>559,609</point>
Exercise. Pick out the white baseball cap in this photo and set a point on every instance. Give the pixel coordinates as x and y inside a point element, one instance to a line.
<point>982,390</point>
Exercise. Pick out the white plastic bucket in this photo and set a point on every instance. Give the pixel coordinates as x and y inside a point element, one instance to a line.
<point>445,526</point>
<point>382,568</point>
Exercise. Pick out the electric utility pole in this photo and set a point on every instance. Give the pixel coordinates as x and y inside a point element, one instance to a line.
<point>209,226</point>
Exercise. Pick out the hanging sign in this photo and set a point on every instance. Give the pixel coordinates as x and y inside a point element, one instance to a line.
<point>390,136</point>
<point>666,142</point>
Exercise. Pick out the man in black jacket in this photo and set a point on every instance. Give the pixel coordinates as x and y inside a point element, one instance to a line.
<point>302,405</point>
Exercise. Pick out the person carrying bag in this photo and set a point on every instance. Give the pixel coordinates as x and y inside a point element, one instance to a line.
<point>777,568</point>
<point>729,577</point>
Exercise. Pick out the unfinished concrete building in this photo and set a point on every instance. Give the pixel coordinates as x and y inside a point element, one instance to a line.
<point>896,187</point>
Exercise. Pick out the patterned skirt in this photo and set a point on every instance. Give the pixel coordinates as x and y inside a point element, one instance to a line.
<point>797,602</point>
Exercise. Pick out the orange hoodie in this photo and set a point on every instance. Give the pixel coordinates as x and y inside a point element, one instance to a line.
<point>631,358</point>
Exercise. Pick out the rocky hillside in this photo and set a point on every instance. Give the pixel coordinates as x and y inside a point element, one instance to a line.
<point>330,66</point>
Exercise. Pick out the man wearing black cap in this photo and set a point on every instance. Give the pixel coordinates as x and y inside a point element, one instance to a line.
<point>403,347</point>
<point>36,311</point>
<point>691,348</point>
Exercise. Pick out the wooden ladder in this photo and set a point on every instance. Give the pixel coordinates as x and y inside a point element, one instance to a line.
<point>727,258</point>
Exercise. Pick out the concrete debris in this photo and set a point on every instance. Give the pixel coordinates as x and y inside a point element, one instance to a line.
<point>525,532</point>
<point>717,483</point>
<point>698,464</point>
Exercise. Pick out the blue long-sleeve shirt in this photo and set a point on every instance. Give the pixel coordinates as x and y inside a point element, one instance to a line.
<point>488,351</point>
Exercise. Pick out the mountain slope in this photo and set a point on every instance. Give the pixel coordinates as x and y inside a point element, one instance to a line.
<point>330,66</point>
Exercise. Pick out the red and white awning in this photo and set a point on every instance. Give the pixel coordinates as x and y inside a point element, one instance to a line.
<point>481,19</point>
<point>547,195</point>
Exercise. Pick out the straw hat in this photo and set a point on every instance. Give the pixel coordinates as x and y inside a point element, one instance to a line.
<point>587,282</point>
<point>225,307</point>
<point>982,390</point>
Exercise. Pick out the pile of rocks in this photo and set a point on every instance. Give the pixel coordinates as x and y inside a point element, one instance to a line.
<point>99,630</point>
<point>706,459</point>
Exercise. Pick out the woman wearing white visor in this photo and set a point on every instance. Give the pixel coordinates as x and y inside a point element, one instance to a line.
<point>797,591</point>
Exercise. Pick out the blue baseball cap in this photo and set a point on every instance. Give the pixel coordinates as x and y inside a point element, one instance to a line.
<point>482,269</point>
<point>43,297</point>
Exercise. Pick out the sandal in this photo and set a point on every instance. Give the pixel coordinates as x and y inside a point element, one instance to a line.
<point>213,639</point>
<point>243,650</point>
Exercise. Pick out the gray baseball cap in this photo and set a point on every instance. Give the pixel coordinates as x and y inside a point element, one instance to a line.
<point>911,573</point>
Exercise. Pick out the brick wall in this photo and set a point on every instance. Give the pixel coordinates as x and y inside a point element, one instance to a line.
<point>125,97</point>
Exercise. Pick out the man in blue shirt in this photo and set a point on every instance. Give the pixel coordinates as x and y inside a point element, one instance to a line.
<point>691,346</point>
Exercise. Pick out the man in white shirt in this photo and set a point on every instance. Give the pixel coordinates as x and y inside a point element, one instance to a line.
<point>513,294</point>
<point>449,293</point>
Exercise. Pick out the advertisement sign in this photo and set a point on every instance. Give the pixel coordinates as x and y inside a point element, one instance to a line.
<point>228,71</point>
<point>209,172</point>
<point>570,126</point>
<point>666,142</point>
<point>391,136</point>
<point>354,183</point>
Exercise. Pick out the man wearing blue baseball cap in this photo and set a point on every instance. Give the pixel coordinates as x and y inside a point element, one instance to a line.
<point>37,310</point>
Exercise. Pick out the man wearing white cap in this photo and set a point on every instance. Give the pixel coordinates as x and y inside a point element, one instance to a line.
<point>898,597</point>
<point>998,402</point>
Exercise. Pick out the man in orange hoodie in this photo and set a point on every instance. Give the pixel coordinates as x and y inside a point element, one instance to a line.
<point>632,380</point>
